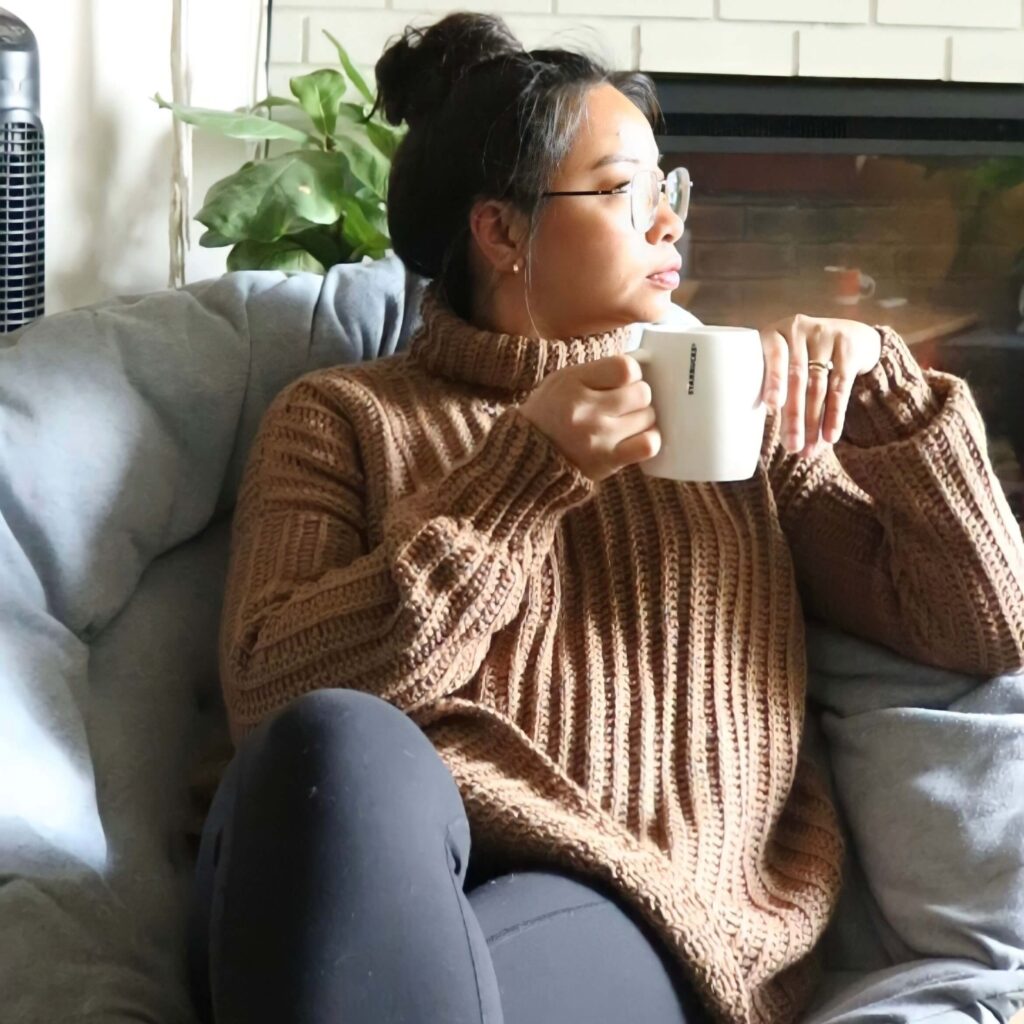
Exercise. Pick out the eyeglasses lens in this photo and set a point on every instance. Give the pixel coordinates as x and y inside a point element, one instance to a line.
<point>647,195</point>
<point>640,201</point>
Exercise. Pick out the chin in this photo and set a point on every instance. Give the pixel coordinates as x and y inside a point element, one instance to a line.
<point>652,307</point>
<point>638,309</point>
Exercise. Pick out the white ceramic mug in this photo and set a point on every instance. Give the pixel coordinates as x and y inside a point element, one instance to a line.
<point>706,385</point>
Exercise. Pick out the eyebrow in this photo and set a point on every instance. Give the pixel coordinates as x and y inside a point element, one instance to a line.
<point>620,158</point>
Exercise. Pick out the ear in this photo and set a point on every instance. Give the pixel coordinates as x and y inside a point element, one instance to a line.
<point>499,231</point>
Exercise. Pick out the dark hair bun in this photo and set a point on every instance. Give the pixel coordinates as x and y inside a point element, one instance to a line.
<point>416,74</point>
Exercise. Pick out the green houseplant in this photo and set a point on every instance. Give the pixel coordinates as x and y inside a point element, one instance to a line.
<point>979,188</point>
<point>322,202</point>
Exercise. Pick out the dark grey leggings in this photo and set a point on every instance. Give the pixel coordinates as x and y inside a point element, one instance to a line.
<point>332,886</point>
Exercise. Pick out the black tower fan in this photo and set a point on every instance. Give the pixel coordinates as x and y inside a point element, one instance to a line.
<point>21,176</point>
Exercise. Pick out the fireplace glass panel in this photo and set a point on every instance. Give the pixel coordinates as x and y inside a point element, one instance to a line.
<point>932,245</point>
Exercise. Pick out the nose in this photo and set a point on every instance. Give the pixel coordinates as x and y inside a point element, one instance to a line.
<point>668,225</point>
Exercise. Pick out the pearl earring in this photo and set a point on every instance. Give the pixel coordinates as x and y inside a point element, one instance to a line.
<point>515,267</point>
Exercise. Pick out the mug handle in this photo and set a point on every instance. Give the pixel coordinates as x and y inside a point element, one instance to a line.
<point>867,286</point>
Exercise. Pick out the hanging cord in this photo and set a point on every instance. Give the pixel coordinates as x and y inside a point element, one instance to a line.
<point>266,70</point>
<point>181,157</point>
<point>265,90</point>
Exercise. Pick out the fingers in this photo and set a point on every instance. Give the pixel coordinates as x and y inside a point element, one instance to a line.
<point>624,400</point>
<point>634,422</point>
<point>639,447</point>
<point>815,407</point>
<point>814,404</point>
<point>611,372</point>
<point>840,384</point>
<point>793,412</point>
<point>776,365</point>
<point>632,438</point>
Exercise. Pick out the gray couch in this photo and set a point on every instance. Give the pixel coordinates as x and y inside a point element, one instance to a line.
<point>123,433</point>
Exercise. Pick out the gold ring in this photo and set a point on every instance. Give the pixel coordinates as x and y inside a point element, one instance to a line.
<point>820,364</point>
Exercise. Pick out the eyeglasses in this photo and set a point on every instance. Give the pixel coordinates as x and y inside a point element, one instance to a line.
<point>645,190</point>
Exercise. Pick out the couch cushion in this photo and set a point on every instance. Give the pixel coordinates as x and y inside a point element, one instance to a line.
<point>928,772</point>
<point>124,430</point>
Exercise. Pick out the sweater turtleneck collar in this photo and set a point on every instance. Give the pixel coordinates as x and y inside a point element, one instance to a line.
<point>449,346</point>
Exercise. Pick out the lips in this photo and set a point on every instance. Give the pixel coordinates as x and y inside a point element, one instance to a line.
<point>669,268</point>
<point>668,276</point>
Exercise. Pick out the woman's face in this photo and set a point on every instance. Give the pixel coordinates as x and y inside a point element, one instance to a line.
<point>590,269</point>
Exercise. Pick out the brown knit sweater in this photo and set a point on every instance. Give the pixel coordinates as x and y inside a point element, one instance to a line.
<point>615,672</point>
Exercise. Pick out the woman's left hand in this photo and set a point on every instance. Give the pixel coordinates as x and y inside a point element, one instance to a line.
<point>810,364</point>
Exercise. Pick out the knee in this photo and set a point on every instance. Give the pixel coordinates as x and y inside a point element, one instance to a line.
<point>334,721</point>
<point>349,738</point>
<point>324,716</point>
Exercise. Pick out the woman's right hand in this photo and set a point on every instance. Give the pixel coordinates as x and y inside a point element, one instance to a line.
<point>598,414</point>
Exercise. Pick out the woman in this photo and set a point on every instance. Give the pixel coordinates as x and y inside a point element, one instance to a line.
<point>457,608</point>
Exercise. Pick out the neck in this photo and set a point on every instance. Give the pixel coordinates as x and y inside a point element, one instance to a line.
<point>507,309</point>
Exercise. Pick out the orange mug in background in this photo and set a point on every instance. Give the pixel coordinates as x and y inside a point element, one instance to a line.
<point>706,387</point>
<point>848,285</point>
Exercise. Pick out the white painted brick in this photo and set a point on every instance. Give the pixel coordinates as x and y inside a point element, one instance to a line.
<point>872,53</point>
<point>286,38</point>
<point>824,11</point>
<point>640,8</point>
<point>370,4</point>
<point>679,40</point>
<point>716,48</point>
<point>988,57</point>
<point>365,34</point>
<point>485,6</point>
<point>609,40</point>
<point>959,13</point>
<point>279,76</point>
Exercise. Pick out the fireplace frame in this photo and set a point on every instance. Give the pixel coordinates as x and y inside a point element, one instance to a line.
<point>764,114</point>
<point>739,114</point>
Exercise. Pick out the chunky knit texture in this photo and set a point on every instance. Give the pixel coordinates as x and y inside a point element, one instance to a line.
<point>615,672</point>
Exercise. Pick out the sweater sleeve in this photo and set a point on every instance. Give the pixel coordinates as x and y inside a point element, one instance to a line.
<point>901,533</point>
<point>311,603</point>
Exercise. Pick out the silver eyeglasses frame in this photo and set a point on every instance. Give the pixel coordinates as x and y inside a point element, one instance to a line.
<point>645,190</point>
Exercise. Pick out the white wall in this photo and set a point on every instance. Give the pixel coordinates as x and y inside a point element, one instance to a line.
<point>952,40</point>
<point>108,147</point>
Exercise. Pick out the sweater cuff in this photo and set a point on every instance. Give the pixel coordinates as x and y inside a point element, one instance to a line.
<point>516,482</point>
<point>893,401</point>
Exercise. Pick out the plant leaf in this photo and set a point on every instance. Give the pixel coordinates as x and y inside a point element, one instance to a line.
<point>276,197</point>
<point>232,124</point>
<point>357,229</point>
<point>320,92</point>
<point>350,69</point>
<point>274,101</point>
<point>1001,173</point>
<point>368,165</point>
<point>353,112</point>
<point>212,240</point>
<point>374,209</point>
<point>284,254</point>
<point>386,139</point>
<point>325,244</point>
